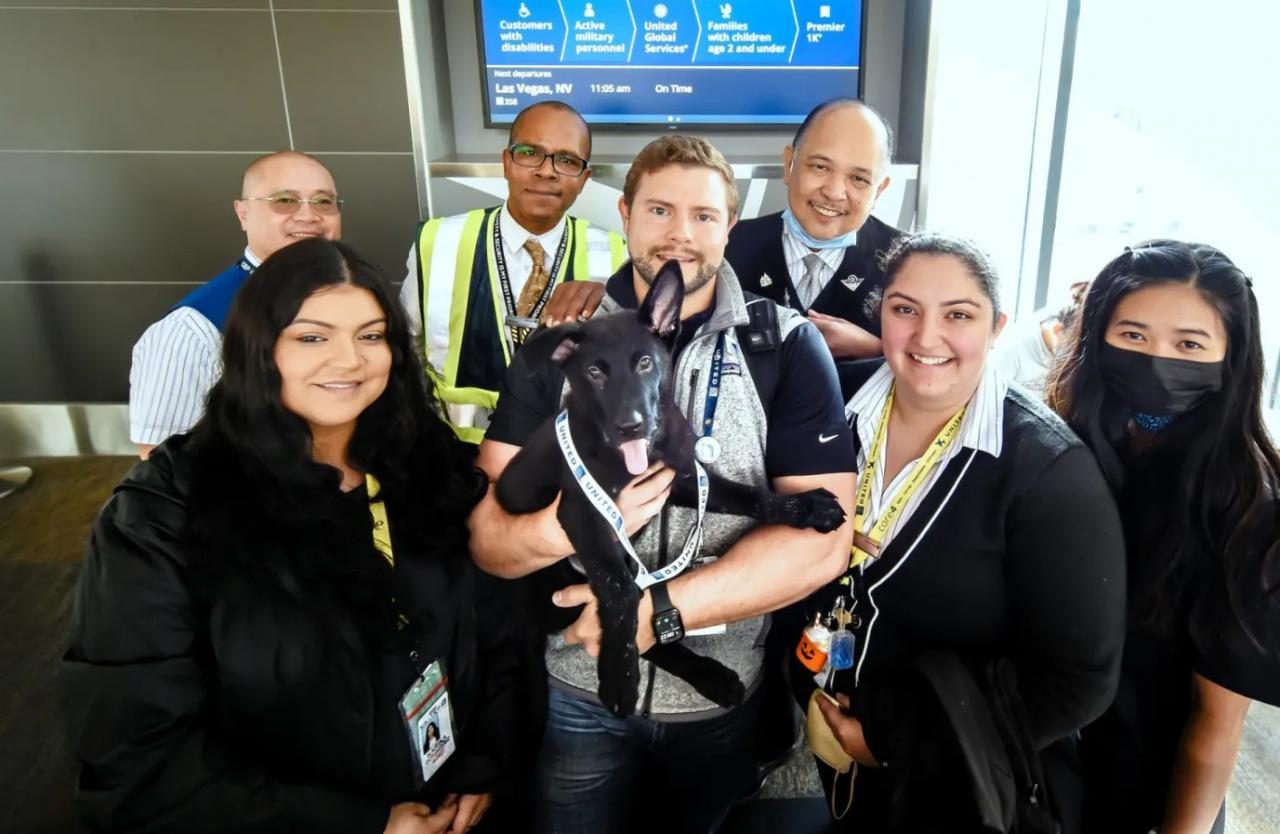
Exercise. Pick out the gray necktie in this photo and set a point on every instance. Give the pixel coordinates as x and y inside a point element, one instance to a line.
<point>811,284</point>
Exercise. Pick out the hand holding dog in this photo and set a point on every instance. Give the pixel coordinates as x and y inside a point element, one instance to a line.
<point>586,629</point>
<point>642,498</point>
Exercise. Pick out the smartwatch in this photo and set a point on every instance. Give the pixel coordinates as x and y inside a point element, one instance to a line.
<point>668,628</point>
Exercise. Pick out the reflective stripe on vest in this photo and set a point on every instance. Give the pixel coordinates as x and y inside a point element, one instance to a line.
<point>586,248</point>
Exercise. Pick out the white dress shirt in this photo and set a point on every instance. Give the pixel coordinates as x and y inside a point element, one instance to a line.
<point>519,267</point>
<point>981,429</point>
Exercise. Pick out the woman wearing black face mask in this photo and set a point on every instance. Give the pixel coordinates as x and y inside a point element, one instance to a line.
<point>1164,381</point>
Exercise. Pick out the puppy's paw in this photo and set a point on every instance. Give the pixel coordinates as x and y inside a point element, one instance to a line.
<point>619,674</point>
<point>725,689</point>
<point>817,509</point>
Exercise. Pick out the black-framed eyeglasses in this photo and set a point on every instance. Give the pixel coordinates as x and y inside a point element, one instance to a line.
<point>289,204</point>
<point>527,156</point>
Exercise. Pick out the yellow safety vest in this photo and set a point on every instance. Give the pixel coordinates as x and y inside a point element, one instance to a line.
<point>477,229</point>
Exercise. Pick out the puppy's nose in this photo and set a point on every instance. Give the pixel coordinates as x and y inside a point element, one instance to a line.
<point>630,424</point>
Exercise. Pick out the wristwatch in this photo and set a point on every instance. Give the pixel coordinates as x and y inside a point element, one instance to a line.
<point>667,626</point>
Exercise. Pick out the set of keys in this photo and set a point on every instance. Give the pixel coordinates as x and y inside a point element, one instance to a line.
<point>828,644</point>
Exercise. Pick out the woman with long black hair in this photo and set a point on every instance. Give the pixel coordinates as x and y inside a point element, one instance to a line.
<point>1164,382</point>
<point>276,605</point>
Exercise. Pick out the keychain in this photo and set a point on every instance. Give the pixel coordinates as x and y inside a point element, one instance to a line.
<point>842,650</point>
<point>841,612</point>
<point>814,646</point>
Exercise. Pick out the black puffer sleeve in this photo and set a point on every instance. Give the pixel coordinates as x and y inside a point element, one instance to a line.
<point>136,682</point>
<point>506,718</point>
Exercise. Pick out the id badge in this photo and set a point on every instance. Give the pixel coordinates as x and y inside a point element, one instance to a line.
<point>428,720</point>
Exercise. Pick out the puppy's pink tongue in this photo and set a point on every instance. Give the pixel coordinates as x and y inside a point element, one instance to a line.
<point>636,455</point>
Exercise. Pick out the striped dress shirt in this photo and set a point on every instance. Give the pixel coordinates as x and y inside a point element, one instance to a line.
<point>796,252</point>
<point>175,363</point>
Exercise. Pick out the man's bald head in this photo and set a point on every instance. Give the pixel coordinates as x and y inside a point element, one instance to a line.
<point>261,168</point>
<point>869,116</point>
<point>837,167</point>
<point>285,174</point>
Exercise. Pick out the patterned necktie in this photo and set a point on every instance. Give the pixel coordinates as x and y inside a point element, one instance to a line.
<point>537,283</point>
<point>811,283</point>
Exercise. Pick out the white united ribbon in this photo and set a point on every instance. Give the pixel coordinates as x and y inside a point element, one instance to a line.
<point>604,505</point>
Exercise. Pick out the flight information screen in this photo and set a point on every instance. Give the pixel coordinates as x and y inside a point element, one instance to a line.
<point>670,62</point>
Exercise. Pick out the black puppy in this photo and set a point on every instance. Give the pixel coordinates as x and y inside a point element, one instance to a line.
<point>621,416</point>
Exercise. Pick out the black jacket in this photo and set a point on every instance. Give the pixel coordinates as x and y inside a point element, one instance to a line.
<point>1024,560</point>
<point>231,669</point>
<point>755,249</point>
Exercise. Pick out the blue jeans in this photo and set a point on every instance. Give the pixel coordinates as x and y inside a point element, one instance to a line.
<point>594,766</point>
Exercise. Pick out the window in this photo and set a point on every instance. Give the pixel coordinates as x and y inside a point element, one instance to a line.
<point>1168,125</point>
<point>1173,130</point>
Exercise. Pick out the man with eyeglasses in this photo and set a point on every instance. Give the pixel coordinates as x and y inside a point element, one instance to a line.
<point>478,282</point>
<point>284,197</point>
<point>821,255</point>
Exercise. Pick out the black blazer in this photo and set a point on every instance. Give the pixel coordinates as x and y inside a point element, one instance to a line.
<point>1018,557</point>
<point>755,250</point>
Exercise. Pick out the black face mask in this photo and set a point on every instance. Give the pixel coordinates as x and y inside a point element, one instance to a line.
<point>1157,385</point>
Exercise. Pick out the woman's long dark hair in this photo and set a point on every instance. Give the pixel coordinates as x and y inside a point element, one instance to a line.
<point>1206,488</point>
<point>245,415</point>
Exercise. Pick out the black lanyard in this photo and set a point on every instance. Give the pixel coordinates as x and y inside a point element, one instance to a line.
<point>504,279</point>
<point>713,388</point>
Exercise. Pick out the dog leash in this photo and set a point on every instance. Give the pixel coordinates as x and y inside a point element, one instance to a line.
<point>604,505</point>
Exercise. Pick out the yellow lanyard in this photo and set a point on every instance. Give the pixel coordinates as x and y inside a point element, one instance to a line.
<point>866,543</point>
<point>382,533</point>
<point>381,528</point>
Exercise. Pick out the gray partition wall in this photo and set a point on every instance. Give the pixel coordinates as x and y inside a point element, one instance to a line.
<point>458,158</point>
<point>124,128</point>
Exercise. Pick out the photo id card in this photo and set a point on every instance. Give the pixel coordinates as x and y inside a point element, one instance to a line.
<point>428,720</point>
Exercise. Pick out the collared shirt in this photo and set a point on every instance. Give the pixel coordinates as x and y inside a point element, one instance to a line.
<point>519,268</point>
<point>519,261</point>
<point>982,429</point>
<point>175,363</point>
<point>796,252</point>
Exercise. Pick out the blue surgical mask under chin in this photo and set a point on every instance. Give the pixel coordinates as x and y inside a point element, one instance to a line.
<point>797,231</point>
<point>1153,423</point>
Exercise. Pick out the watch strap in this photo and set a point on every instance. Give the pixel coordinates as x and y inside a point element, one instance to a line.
<point>661,598</point>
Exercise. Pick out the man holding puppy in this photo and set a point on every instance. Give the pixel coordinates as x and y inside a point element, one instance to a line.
<point>776,418</point>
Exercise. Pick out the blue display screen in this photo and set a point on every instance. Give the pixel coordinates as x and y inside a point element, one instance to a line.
<point>670,62</point>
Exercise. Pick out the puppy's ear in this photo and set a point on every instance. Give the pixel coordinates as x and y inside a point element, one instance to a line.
<point>660,311</point>
<point>552,344</point>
